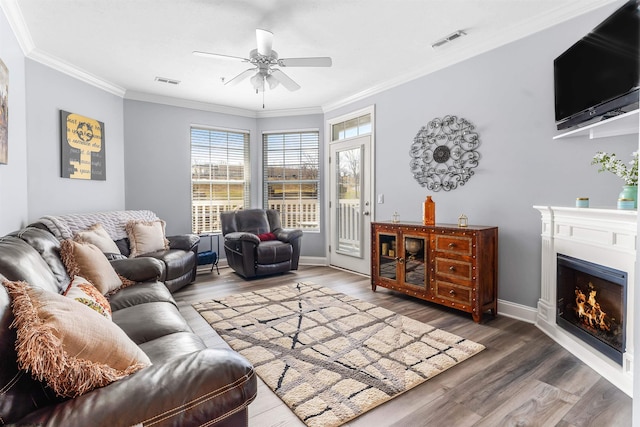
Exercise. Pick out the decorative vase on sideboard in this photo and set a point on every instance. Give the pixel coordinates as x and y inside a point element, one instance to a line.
<point>629,192</point>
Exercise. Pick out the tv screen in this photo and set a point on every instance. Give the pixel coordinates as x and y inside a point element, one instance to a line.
<point>599,74</point>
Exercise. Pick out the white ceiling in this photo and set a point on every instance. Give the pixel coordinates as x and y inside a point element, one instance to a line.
<point>123,45</point>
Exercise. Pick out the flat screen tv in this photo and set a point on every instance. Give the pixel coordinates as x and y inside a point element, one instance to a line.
<point>597,77</point>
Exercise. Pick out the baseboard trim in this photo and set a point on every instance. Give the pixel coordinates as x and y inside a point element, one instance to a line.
<point>313,260</point>
<point>517,311</point>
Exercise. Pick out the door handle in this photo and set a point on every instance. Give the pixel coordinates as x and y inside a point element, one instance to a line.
<point>365,213</point>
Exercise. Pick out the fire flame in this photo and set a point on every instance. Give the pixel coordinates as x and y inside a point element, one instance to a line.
<point>589,311</point>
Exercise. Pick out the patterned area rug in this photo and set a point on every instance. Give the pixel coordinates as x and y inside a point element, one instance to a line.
<point>328,356</point>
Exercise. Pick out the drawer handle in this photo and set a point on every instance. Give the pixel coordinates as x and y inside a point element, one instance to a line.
<point>452,292</point>
<point>452,268</point>
<point>452,245</point>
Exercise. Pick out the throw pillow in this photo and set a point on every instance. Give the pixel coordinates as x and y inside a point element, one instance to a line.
<point>86,260</point>
<point>146,237</point>
<point>66,344</point>
<point>81,290</point>
<point>266,236</point>
<point>97,235</point>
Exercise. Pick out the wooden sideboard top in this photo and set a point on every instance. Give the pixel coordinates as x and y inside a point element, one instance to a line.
<point>438,226</point>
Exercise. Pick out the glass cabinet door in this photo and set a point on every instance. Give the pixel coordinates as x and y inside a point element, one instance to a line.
<point>415,261</point>
<point>388,251</point>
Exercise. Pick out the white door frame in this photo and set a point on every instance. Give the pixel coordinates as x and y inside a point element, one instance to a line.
<point>327,167</point>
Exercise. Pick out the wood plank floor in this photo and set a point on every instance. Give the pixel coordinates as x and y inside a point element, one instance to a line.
<point>523,378</point>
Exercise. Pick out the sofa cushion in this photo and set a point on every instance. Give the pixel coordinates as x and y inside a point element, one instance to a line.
<point>97,235</point>
<point>81,290</point>
<point>141,293</point>
<point>146,236</point>
<point>166,320</point>
<point>86,260</point>
<point>67,344</point>
<point>273,251</point>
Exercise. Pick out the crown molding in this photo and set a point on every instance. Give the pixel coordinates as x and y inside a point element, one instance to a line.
<point>14,15</point>
<point>215,108</point>
<point>538,23</point>
<point>16,22</point>
<point>75,72</point>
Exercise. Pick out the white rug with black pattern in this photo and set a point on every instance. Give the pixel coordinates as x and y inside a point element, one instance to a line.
<point>328,356</point>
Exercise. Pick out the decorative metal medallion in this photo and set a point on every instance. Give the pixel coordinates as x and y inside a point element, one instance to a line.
<point>443,153</point>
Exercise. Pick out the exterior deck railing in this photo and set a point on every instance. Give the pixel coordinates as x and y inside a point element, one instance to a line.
<point>305,215</point>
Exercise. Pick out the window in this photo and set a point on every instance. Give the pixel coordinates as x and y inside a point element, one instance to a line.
<point>352,127</point>
<point>291,178</point>
<point>219,176</point>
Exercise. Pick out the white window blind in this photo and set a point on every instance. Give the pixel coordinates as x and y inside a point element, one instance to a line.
<point>219,176</point>
<point>291,177</point>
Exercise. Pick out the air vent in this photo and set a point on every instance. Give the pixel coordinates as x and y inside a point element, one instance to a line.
<point>449,38</point>
<point>168,81</point>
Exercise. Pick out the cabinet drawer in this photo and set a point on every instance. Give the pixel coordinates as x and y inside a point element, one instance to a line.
<point>459,245</point>
<point>453,268</point>
<point>452,292</point>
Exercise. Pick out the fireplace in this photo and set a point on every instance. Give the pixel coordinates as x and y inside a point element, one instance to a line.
<point>593,252</point>
<point>591,304</point>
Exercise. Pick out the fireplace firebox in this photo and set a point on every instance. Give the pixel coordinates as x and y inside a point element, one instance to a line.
<point>591,304</point>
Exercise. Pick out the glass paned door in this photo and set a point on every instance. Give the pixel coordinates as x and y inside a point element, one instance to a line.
<point>350,209</point>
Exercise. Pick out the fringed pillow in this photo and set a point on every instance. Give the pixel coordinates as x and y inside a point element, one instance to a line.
<point>97,235</point>
<point>68,345</point>
<point>86,260</point>
<point>81,290</point>
<point>146,237</point>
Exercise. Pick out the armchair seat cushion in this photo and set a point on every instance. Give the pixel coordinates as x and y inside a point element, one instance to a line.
<point>273,251</point>
<point>176,261</point>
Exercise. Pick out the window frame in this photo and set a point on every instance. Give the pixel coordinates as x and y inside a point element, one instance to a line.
<point>315,211</point>
<point>212,215</point>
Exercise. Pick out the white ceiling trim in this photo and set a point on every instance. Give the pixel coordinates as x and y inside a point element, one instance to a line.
<point>222,109</point>
<point>16,22</point>
<point>539,23</point>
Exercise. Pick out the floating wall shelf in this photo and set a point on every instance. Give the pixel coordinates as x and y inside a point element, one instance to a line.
<point>624,124</point>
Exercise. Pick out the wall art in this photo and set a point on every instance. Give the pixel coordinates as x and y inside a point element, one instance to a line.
<point>4,113</point>
<point>443,153</point>
<point>83,148</point>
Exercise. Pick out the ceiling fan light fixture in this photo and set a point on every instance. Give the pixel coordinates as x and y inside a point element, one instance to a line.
<point>273,82</point>
<point>258,82</point>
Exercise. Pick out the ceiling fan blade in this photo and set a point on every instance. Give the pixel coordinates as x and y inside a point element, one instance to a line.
<point>240,77</point>
<point>285,80</point>
<point>217,55</point>
<point>264,39</point>
<point>321,61</point>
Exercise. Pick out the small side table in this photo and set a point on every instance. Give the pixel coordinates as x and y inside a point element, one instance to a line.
<point>210,256</point>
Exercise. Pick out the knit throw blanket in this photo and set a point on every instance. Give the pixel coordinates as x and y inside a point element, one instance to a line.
<point>114,222</point>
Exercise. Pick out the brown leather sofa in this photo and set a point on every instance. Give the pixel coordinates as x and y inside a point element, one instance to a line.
<point>187,384</point>
<point>256,244</point>
<point>180,261</point>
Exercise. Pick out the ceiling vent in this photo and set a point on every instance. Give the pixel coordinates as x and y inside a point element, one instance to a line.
<point>449,38</point>
<point>168,81</point>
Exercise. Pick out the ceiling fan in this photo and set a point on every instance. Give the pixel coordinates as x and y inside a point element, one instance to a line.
<point>264,59</point>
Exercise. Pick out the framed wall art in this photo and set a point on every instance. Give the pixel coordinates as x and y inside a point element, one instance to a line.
<point>83,148</point>
<point>4,113</point>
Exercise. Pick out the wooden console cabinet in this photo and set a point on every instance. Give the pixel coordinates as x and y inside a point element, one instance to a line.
<point>445,264</point>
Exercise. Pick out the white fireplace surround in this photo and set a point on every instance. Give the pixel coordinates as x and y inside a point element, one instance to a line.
<point>602,236</point>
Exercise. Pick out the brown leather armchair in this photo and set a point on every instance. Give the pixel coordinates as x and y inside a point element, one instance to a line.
<point>256,244</point>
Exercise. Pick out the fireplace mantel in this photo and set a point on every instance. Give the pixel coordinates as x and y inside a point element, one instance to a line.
<point>602,236</point>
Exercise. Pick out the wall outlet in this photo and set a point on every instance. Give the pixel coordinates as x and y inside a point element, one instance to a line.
<point>380,198</point>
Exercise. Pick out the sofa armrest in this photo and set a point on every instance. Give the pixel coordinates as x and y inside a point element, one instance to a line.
<point>287,235</point>
<point>140,269</point>
<point>197,389</point>
<point>186,242</point>
<point>242,236</point>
